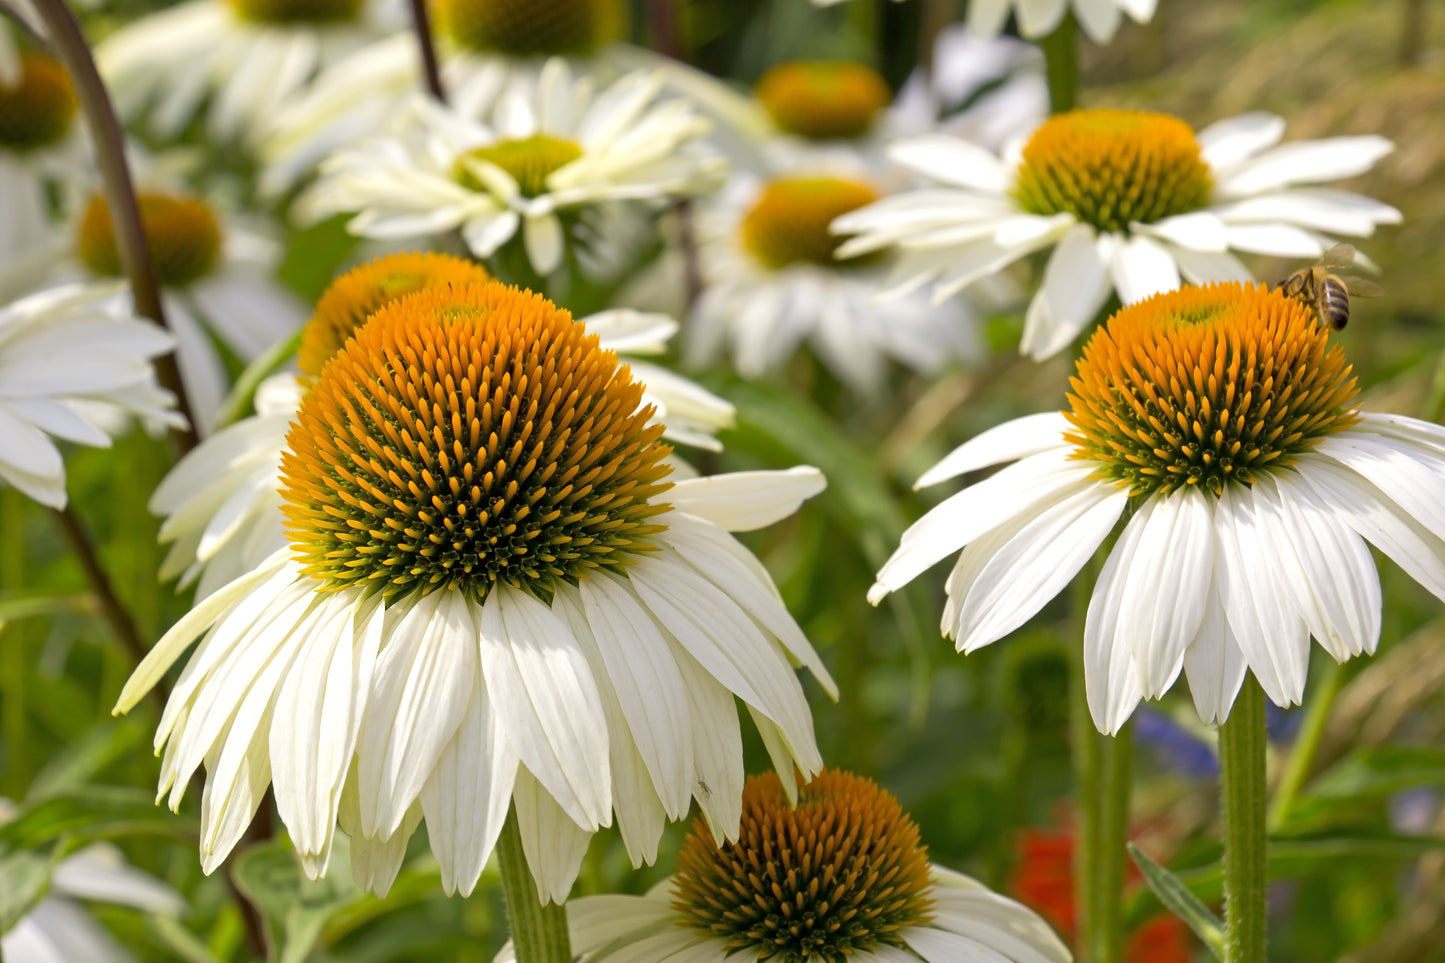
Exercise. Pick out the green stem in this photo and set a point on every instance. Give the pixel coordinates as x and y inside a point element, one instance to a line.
<point>539,931</point>
<point>1107,930</point>
<point>109,146</point>
<point>1062,63</point>
<point>14,649</point>
<point>1242,786</point>
<point>1087,750</point>
<point>1307,745</point>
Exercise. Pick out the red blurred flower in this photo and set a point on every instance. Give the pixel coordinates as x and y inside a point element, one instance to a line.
<point>1043,879</point>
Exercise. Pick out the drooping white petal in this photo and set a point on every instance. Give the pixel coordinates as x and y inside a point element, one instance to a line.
<point>1009,441</point>
<point>1227,142</point>
<point>1410,478</point>
<point>1142,267</point>
<point>1110,680</point>
<point>953,160</point>
<point>1074,288</point>
<point>746,500</point>
<point>552,840</point>
<point>1304,162</point>
<point>717,749</point>
<point>1214,664</point>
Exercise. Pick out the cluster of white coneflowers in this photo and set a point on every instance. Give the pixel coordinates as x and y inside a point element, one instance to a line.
<point>457,554</point>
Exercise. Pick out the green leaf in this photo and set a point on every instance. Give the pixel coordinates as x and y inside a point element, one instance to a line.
<point>30,606</point>
<point>24,882</point>
<point>295,909</point>
<point>180,942</point>
<point>81,760</point>
<point>1364,776</point>
<point>91,813</point>
<point>238,402</point>
<point>1176,896</point>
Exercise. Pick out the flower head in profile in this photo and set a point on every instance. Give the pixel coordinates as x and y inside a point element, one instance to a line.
<point>239,60</point>
<point>554,151</point>
<point>1129,201</point>
<point>828,869</point>
<point>774,285</point>
<point>217,280</point>
<point>221,502</point>
<point>492,590</point>
<point>59,929</point>
<point>1225,428</point>
<point>71,360</point>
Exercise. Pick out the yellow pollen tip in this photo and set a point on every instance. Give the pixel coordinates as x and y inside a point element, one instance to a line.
<point>532,27</point>
<point>1205,386</point>
<point>354,296</point>
<point>843,872</point>
<point>823,100</point>
<point>37,111</point>
<point>527,160</point>
<point>183,234</point>
<point>297,11</point>
<point>1109,168</point>
<point>467,435</point>
<point>789,221</point>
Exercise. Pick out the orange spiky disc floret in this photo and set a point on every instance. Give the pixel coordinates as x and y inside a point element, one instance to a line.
<point>1111,167</point>
<point>354,296</point>
<point>1202,386</point>
<point>844,871</point>
<point>788,224</point>
<point>36,111</point>
<point>467,436</point>
<point>520,27</point>
<point>823,99</point>
<point>183,234</point>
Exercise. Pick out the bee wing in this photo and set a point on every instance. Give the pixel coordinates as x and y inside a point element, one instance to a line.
<point>1361,288</point>
<point>1338,258</point>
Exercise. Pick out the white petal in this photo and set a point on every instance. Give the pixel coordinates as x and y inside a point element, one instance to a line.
<point>1009,441</point>
<point>1110,681</point>
<point>1282,240</point>
<point>1305,162</point>
<point>1411,478</point>
<point>955,161</point>
<point>1074,288</point>
<point>1227,142</point>
<point>1214,664</point>
<point>1142,267</point>
<point>553,843</point>
<point>1198,231</point>
<point>542,236</point>
<point>746,500</point>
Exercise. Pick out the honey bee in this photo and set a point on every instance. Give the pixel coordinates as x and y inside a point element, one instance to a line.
<point>1326,293</point>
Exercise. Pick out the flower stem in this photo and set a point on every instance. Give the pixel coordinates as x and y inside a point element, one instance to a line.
<point>421,23</point>
<point>1062,64</point>
<point>1242,786</point>
<point>539,931</point>
<point>1306,745</point>
<point>1107,928</point>
<point>105,130</point>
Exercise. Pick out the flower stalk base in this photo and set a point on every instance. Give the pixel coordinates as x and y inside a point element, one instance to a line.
<point>539,931</point>
<point>1242,785</point>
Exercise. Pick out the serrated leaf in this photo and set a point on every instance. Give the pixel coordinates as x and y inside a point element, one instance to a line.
<point>295,909</point>
<point>91,813</point>
<point>24,882</point>
<point>1181,902</point>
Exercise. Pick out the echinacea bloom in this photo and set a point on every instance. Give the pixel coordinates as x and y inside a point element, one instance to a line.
<point>773,285</point>
<point>987,92</point>
<point>39,152</point>
<point>483,48</point>
<point>222,501</point>
<point>1227,425</point>
<point>1130,202</point>
<point>71,359</point>
<point>553,150</point>
<point>58,929</point>
<point>241,59</point>
<point>215,276</point>
<point>1039,18</point>
<point>1043,879</point>
<point>491,591</point>
<point>832,870</point>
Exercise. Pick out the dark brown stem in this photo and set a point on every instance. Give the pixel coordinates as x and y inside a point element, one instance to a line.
<point>23,25</point>
<point>70,46</point>
<point>664,28</point>
<point>111,606</point>
<point>421,21</point>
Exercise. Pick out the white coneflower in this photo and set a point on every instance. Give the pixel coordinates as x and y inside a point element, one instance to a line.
<point>1226,425</point>
<point>1129,201</point>
<point>215,276</point>
<point>222,501</point>
<point>831,871</point>
<point>242,59</point>
<point>39,152</point>
<point>554,150</point>
<point>483,47</point>
<point>987,92</point>
<point>773,285</point>
<point>58,929</point>
<point>491,588</point>
<point>72,358</point>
